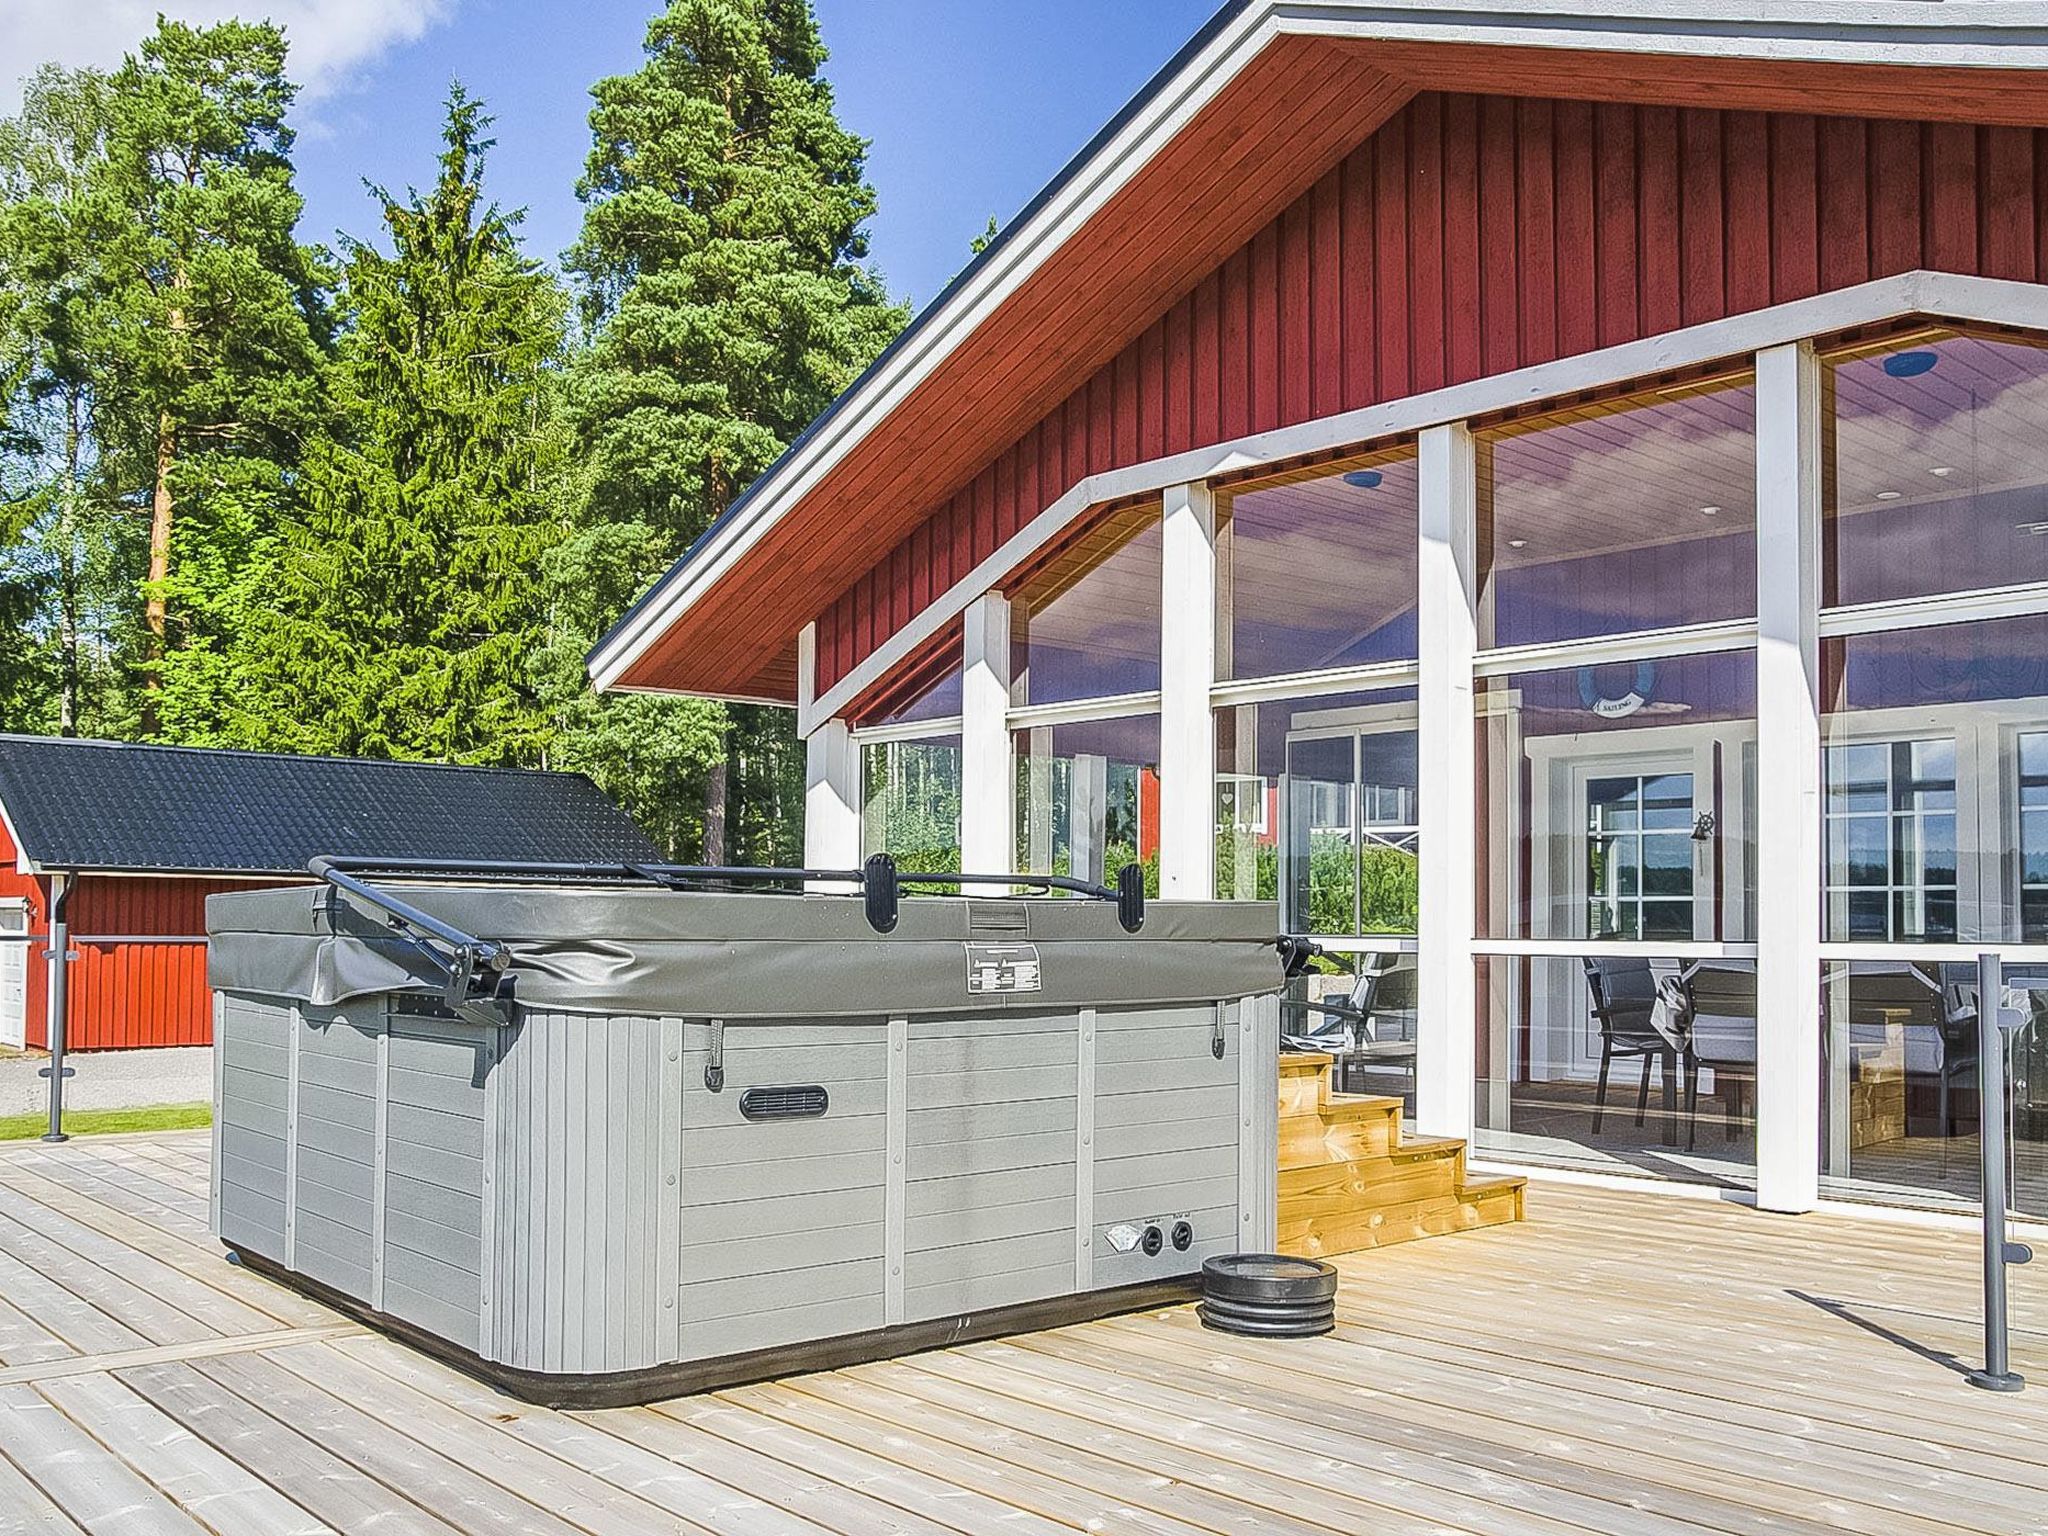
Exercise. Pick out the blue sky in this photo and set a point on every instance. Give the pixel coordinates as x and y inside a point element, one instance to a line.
<point>972,104</point>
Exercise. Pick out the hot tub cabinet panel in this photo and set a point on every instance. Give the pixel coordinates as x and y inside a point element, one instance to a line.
<point>561,1201</point>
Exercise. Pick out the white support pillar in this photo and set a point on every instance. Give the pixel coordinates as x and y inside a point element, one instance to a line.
<point>1447,632</point>
<point>988,778</point>
<point>832,831</point>
<point>832,837</point>
<point>1788,914</point>
<point>1187,668</point>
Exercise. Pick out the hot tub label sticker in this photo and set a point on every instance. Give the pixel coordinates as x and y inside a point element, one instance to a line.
<point>1002,968</point>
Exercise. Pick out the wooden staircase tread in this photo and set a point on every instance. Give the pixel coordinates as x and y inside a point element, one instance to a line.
<point>1350,1181</point>
<point>1345,1111</point>
<point>1494,1182</point>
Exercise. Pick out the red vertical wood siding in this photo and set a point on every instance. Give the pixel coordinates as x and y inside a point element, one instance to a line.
<point>1474,235</point>
<point>121,992</point>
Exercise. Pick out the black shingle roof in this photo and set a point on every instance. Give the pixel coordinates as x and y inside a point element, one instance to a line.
<point>110,806</point>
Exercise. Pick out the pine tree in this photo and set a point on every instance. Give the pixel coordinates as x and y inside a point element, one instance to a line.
<point>404,605</point>
<point>218,328</point>
<point>723,291</point>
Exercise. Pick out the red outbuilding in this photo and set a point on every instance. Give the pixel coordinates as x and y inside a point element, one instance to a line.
<point>132,840</point>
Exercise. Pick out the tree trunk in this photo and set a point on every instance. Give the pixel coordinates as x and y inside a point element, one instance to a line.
<point>67,631</point>
<point>714,813</point>
<point>160,529</point>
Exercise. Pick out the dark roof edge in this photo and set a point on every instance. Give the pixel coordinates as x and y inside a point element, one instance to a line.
<point>30,737</point>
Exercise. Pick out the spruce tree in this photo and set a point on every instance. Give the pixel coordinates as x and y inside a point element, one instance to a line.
<point>217,325</point>
<point>404,604</point>
<point>726,302</point>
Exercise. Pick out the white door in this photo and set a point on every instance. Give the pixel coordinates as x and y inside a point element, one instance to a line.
<point>13,974</point>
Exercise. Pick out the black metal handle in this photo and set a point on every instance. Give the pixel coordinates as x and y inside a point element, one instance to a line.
<point>1296,952</point>
<point>1127,895</point>
<point>879,882</point>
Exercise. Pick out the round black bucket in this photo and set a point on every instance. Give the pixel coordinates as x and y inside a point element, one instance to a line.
<point>1268,1295</point>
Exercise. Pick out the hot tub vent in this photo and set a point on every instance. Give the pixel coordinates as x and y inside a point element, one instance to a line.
<point>798,1103</point>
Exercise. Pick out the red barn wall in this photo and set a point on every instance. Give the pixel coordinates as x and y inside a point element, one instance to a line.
<point>140,975</point>
<point>1473,235</point>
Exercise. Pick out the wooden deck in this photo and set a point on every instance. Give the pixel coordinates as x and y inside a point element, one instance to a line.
<point>1618,1363</point>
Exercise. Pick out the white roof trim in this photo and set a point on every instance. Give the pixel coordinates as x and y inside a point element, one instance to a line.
<point>1976,33</point>
<point>1991,301</point>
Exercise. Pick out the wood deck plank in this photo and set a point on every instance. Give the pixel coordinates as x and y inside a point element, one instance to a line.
<point>314,1476</point>
<point>80,1475</point>
<point>556,1486</point>
<point>1622,1363</point>
<point>25,1510</point>
<point>1022,1488</point>
<point>444,1486</point>
<point>195,1253</point>
<point>222,1496</point>
<point>666,1484</point>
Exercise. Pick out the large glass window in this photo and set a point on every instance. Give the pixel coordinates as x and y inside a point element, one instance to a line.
<point>1891,839</point>
<point>910,801</point>
<point>1903,1113</point>
<point>1634,1062</point>
<point>1618,802</point>
<point>1617,831</point>
<point>1316,809</point>
<point>1088,798</point>
<point>1628,515</point>
<point>910,778</point>
<point>1316,570</point>
<point>1937,783</point>
<point>1086,624</point>
<point>1937,467</point>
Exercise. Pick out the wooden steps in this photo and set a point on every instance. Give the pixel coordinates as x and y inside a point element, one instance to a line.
<point>1350,1180</point>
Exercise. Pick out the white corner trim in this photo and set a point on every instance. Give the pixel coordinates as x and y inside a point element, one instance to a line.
<point>1942,295</point>
<point>806,671</point>
<point>907,730</point>
<point>1116,706</point>
<point>1604,650</point>
<point>23,864</point>
<point>2018,601</point>
<point>1372,677</point>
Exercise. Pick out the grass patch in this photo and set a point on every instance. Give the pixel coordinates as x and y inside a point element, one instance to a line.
<point>104,1122</point>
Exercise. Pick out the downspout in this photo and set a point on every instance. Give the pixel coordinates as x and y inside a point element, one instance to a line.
<point>59,956</point>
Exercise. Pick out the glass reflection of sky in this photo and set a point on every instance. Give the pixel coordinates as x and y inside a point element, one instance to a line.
<point>1939,479</point>
<point>1619,517</point>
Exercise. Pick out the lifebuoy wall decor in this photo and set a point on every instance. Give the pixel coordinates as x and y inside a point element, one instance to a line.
<point>1618,706</point>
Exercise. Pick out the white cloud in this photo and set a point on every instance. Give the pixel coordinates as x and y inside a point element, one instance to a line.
<point>330,39</point>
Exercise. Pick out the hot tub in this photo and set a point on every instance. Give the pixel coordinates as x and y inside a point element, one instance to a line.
<point>604,1136</point>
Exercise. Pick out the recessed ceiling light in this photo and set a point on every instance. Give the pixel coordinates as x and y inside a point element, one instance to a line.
<point>1888,495</point>
<point>1364,479</point>
<point>1517,543</point>
<point>1711,511</point>
<point>1910,365</point>
<point>1942,470</point>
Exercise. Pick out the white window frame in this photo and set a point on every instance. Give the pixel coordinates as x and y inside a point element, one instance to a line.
<point>1777,344</point>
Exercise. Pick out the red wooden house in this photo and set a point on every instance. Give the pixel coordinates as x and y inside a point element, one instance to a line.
<point>1555,497</point>
<point>136,837</point>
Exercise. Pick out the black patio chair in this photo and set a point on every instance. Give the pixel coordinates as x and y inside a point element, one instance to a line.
<point>1625,998</point>
<point>1721,1035</point>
